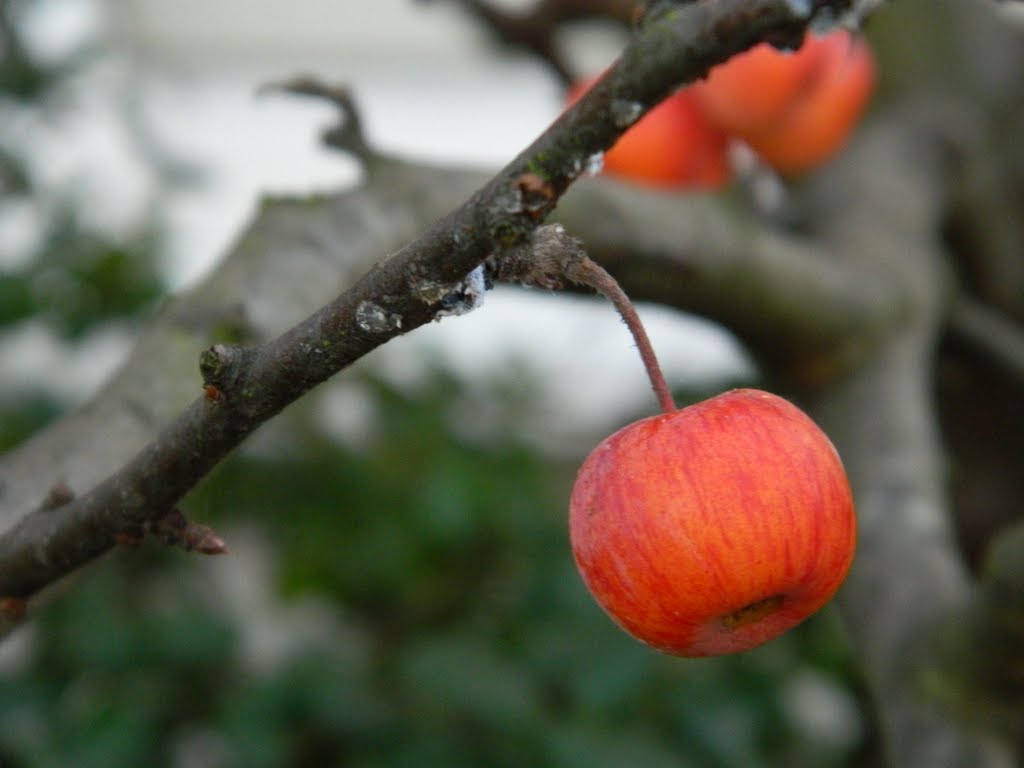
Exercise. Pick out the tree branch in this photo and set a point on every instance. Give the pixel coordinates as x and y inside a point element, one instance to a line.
<point>908,576</point>
<point>991,332</point>
<point>675,45</point>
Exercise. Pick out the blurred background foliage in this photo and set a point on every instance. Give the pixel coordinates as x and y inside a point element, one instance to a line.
<point>405,597</point>
<point>61,274</point>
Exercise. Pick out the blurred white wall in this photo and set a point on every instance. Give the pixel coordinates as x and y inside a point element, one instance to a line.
<point>321,29</point>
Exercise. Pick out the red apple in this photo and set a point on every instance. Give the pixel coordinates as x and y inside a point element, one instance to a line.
<point>714,528</point>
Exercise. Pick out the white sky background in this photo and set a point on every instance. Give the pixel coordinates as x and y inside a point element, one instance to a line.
<point>428,85</point>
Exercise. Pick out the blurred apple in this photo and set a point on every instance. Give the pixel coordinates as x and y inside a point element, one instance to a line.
<point>795,109</point>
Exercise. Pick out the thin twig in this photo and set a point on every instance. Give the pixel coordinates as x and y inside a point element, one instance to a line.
<point>348,135</point>
<point>537,28</point>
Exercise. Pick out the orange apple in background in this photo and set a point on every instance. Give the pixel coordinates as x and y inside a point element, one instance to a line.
<point>818,125</point>
<point>714,528</point>
<point>673,146</point>
<point>796,109</point>
<point>748,93</point>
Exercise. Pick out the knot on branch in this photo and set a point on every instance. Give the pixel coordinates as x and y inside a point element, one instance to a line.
<point>176,530</point>
<point>13,609</point>
<point>58,495</point>
<point>551,258</point>
<point>220,366</point>
<point>536,195</point>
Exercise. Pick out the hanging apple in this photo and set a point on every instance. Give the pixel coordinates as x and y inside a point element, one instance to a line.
<point>714,528</point>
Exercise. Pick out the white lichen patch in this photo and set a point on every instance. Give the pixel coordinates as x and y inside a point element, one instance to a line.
<point>431,291</point>
<point>800,8</point>
<point>509,200</point>
<point>467,296</point>
<point>373,318</point>
<point>594,164</point>
<point>624,112</point>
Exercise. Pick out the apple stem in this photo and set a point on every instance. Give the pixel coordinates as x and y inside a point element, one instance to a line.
<point>588,272</point>
<point>553,257</point>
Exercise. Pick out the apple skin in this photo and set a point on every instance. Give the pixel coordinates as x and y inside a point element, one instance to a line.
<point>715,528</point>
